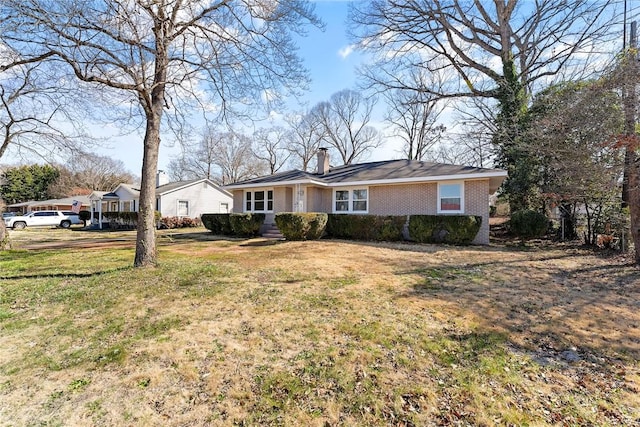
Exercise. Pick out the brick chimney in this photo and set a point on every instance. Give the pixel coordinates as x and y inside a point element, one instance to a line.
<point>323,161</point>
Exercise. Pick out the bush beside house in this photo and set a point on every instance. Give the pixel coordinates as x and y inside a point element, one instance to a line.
<point>528,224</point>
<point>366,227</point>
<point>218,223</point>
<point>179,222</point>
<point>301,226</point>
<point>234,224</point>
<point>453,229</point>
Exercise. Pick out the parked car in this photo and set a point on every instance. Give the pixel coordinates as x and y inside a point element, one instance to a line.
<point>62,219</point>
<point>8,214</point>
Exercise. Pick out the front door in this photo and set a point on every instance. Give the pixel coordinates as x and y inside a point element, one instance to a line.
<point>299,197</point>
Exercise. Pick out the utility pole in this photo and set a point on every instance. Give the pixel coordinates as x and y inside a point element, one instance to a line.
<point>630,105</point>
<point>631,180</point>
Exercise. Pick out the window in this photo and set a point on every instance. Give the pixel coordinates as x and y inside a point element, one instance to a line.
<point>450,198</point>
<point>183,208</point>
<point>342,201</point>
<point>258,201</point>
<point>351,200</point>
<point>359,200</point>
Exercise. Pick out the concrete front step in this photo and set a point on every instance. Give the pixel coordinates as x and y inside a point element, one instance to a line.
<point>272,232</point>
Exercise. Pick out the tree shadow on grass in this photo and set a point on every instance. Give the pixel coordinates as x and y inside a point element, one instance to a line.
<point>62,275</point>
<point>556,312</point>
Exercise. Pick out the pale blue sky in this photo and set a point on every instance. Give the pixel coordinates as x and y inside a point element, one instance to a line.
<point>323,53</point>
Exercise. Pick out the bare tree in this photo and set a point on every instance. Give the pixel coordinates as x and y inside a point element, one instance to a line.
<point>304,138</point>
<point>480,42</point>
<point>177,169</point>
<point>164,55</point>
<point>499,50</point>
<point>345,124</point>
<point>234,158</point>
<point>197,161</point>
<point>33,108</point>
<point>221,156</point>
<point>34,111</point>
<point>86,172</point>
<point>269,146</point>
<point>414,114</point>
<point>473,135</point>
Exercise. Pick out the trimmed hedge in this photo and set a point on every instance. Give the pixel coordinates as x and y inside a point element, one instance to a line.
<point>122,219</point>
<point>234,224</point>
<point>217,223</point>
<point>366,227</point>
<point>246,224</point>
<point>453,229</point>
<point>301,226</point>
<point>528,224</point>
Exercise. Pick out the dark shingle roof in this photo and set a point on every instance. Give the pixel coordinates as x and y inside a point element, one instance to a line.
<point>294,175</point>
<point>395,170</point>
<point>165,188</point>
<point>392,170</point>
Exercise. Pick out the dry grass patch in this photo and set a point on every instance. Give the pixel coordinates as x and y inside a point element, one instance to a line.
<point>318,333</point>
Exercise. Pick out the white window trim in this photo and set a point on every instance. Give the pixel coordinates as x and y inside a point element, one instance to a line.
<point>461,210</point>
<point>178,208</point>
<point>350,200</point>
<point>253,200</point>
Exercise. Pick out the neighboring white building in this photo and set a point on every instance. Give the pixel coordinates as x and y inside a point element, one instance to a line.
<point>182,199</point>
<point>192,198</point>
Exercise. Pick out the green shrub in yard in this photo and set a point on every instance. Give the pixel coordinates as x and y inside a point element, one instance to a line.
<point>453,229</point>
<point>246,224</point>
<point>528,224</point>
<point>301,226</point>
<point>217,223</point>
<point>125,219</point>
<point>84,216</point>
<point>366,227</point>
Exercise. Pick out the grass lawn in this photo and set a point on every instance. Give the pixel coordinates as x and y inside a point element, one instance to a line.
<point>324,333</point>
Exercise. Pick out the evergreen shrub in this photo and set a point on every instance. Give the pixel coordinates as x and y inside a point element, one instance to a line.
<point>452,229</point>
<point>301,226</point>
<point>217,223</point>
<point>528,224</point>
<point>246,224</point>
<point>366,227</point>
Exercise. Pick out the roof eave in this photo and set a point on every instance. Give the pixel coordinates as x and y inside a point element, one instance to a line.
<point>414,180</point>
<point>275,184</point>
<point>494,176</point>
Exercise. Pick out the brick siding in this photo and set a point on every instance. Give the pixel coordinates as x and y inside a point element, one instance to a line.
<point>476,202</point>
<point>422,199</point>
<point>410,199</point>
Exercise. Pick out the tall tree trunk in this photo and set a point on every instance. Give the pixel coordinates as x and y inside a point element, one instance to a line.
<point>5,243</point>
<point>146,253</point>
<point>634,204</point>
